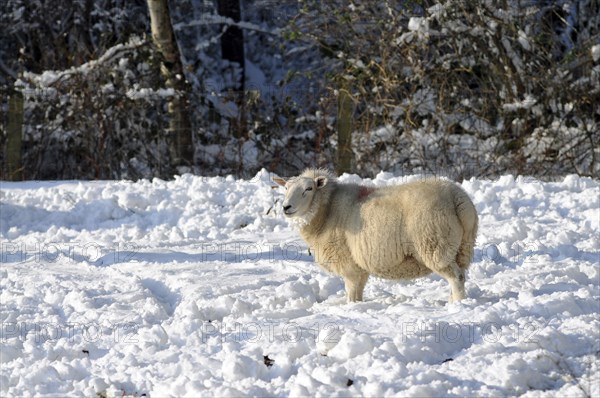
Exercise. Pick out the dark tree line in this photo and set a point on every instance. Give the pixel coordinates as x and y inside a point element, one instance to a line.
<point>109,89</point>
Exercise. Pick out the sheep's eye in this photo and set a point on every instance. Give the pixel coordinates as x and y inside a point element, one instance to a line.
<point>306,190</point>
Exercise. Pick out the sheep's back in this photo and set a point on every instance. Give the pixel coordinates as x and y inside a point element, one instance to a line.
<point>392,230</point>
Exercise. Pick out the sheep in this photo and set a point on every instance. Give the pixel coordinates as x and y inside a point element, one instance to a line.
<point>397,232</point>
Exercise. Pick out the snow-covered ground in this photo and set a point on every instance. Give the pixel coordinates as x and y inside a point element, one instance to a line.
<point>199,287</point>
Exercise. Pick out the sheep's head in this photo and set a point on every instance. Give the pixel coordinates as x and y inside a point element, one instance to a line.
<point>299,195</point>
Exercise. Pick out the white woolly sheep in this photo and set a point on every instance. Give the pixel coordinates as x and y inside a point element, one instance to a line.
<point>395,232</point>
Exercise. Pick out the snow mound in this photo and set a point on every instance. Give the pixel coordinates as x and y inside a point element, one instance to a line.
<point>198,286</point>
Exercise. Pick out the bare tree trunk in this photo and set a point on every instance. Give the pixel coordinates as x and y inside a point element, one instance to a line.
<point>14,137</point>
<point>180,128</point>
<point>344,130</point>
<point>232,50</point>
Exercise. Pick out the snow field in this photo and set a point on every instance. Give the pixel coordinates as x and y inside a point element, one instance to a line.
<point>198,287</point>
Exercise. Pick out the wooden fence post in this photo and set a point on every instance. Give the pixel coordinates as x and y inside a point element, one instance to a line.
<point>14,137</point>
<point>344,131</point>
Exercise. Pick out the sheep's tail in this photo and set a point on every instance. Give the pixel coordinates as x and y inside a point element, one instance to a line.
<point>467,214</point>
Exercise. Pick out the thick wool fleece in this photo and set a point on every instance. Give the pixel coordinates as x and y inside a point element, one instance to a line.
<point>396,232</point>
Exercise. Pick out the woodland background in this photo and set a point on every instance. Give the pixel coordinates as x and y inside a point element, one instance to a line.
<point>460,88</point>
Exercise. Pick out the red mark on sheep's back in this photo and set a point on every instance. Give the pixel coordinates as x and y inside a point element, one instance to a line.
<point>364,192</point>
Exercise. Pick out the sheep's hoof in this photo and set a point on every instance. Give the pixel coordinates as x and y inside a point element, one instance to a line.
<point>452,300</point>
<point>354,299</point>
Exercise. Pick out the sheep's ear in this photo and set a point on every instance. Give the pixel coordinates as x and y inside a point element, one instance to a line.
<point>320,182</point>
<point>279,181</point>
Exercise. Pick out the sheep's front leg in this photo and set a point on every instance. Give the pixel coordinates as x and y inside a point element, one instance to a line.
<point>355,285</point>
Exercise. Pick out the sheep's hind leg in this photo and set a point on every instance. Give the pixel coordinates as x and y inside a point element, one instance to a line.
<point>355,285</point>
<point>457,284</point>
<point>456,278</point>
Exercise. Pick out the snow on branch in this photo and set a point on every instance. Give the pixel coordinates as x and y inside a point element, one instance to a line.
<point>50,78</point>
<point>221,20</point>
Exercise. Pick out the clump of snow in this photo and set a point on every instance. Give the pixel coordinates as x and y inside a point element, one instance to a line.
<point>198,286</point>
<point>142,93</point>
<point>526,103</point>
<point>351,345</point>
<point>595,50</point>
<point>418,24</point>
